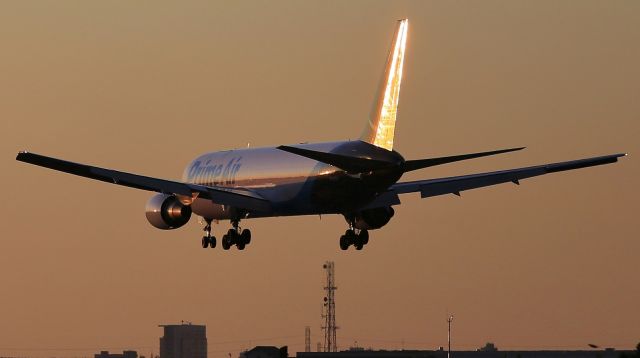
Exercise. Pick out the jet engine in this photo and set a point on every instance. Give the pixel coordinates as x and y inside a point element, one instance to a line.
<point>371,219</point>
<point>166,212</point>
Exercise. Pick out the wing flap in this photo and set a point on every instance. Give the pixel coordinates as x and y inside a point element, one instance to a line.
<point>243,199</point>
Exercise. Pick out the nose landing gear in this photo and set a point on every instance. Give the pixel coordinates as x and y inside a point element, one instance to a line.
<point>208,240</point>
<point>235,236</point>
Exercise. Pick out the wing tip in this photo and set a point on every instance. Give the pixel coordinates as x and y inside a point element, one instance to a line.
<point>619,155</point>
<point>21,155</point>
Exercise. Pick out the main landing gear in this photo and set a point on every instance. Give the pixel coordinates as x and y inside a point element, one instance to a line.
<point>236,236</point>
<point>208,240</point>
<point>355,237</point>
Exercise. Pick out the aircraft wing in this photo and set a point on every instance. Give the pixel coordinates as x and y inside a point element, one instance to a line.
<point>454,185</point>
<point>239,198</point>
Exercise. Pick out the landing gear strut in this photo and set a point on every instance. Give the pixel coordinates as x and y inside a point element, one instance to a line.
<point>208,240</point>
<point>236,236</point>
<point>355,237</point>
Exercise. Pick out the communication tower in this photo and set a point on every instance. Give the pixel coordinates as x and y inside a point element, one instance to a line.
<point>329,312</point>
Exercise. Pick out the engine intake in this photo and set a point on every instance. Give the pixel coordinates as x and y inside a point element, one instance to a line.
<point>166,212</point>
<point>371,219</point>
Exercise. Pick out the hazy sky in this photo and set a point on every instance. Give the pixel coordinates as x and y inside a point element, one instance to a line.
<point>146,86</point>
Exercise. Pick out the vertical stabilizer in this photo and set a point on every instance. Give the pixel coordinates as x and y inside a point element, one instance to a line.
<point>382,121</point>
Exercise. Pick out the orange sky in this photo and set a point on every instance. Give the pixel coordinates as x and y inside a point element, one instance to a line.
<point>146,86</point>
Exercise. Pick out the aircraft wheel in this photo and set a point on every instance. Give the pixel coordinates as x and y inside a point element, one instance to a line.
<point>364,237</point>
<point>344,242</point>
<point>226,244</point>
<point>205,242</point>
<point>358,246</point>
<point>240,245</point>
<point>212,242</point>
<point>246,236</point>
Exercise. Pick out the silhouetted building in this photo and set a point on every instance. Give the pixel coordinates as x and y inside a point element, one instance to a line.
<point>183,341</point>
<point>124,354</point>
<point>266,352</point>
<point>367,353</point>
<point>489,347</point>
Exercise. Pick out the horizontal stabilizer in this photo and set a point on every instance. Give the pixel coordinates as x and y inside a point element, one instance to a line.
<point>348,163</point>
<point>410,165</point>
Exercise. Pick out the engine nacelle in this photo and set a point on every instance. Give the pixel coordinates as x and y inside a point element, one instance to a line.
<point>371,219</point>
<point>166,212</point>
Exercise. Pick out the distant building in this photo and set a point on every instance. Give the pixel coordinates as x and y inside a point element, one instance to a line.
<point>489,347</point>
<point>124,354</point>
<point>367,353</point>
<point>266,352</point>
<point>184,340</point>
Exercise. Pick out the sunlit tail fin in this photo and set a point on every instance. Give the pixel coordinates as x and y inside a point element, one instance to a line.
<point>382,121</point>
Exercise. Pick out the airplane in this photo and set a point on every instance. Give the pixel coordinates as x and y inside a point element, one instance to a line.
<point>357,178</point>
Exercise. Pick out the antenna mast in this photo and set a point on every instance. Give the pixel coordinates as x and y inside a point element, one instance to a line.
<point>307,339</point>
<point>329,313</point>
<point>449,320</point>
